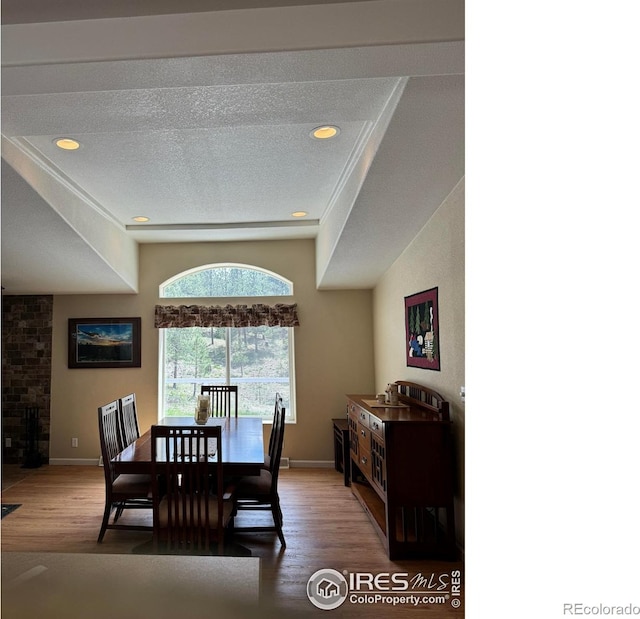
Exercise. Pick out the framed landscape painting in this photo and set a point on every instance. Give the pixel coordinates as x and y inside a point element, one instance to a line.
<point>422,342</point>
<point>104,343</point>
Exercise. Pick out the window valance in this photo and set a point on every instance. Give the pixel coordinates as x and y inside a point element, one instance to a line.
<point>258,315</point>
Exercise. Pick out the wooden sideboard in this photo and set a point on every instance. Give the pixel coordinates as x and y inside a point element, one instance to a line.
<point>402,470</point>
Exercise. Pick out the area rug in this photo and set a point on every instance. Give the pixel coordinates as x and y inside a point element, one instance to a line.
<point>80,585</point>
<point>7,509</point>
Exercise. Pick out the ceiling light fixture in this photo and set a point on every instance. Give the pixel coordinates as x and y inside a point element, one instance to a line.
<point>325,132</point>
<point>140,218</point>
<point>66,144</point>
<point>299,214</point>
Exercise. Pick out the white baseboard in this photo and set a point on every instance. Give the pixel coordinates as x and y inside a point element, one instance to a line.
<point>311,464</point>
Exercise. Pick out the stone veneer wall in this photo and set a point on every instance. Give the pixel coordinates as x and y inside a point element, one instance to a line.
<point>26,371</point>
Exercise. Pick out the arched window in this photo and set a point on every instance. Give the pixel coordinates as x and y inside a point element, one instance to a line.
<point>226,280</point>
<point>247,346</point>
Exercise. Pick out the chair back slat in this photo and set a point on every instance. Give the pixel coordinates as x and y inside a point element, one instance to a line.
<point>224,399</point>
<point>110,441</point>
<point>129,428</point>
<point>276,441</point>
<point>185,517</point>
<point>276,410</point>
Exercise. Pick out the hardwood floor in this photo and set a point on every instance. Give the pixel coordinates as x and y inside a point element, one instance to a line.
<point>324,525</point>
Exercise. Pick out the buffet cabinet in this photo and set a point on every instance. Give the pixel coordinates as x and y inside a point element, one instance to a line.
<point>402,470</point>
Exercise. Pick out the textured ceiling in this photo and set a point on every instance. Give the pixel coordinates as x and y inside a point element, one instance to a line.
<point>216,146</point>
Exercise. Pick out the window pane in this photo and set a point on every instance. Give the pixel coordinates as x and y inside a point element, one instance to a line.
<point>227,281</point>
<point>189,355</point>
<point>259,365</point>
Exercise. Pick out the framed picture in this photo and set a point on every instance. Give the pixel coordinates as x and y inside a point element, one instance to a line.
<point>104,343</point>
<point>422,342</point>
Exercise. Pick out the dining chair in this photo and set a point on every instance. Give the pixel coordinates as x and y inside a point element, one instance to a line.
<point>128,412</point>
<point>189,514</point>
<point>272,435</point>
<point>255,492</point>
<point>224,398</point>
<point>126,491</point>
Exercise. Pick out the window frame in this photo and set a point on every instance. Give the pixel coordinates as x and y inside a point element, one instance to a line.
<point>291,410</point>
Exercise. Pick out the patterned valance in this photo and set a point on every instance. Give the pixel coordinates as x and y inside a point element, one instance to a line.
<point>259,315</point>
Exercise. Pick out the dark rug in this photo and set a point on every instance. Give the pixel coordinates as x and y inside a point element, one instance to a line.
<point>7,509</point>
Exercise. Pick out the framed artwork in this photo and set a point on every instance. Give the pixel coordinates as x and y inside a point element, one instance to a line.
<point>422,342</point>
<point>104,343</point>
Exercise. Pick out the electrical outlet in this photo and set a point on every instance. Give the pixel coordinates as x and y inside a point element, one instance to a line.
<point>7,442</point>
<point>74,442</point>
<point>462,393</point>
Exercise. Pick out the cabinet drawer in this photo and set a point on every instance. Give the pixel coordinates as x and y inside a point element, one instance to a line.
<point>364,462</point>
<point>376,426</point>
<point>358,413</point>
<point>364,437</point>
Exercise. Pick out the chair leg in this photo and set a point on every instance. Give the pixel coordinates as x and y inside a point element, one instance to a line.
<point>281,536</point>
<point>119,510</point>
<point>275,509</point>
<point>277,521</point>
<point>105,521</point>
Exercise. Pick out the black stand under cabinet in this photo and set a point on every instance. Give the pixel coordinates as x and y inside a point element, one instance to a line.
<point>341,448</point>
<point>402,471</point>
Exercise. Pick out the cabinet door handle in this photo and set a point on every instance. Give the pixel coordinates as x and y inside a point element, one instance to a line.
<point>376,426</point>
<point>363,460</point>
<point>363,433</point>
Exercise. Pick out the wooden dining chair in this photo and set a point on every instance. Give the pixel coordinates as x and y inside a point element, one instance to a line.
<point>127,491</point>
<point>272,435</point>
<point>255,492</point>
<point>128,414</point>
<point>189,514</point>
<point>224,399</point>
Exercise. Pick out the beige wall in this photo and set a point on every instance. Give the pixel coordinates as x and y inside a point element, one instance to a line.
<point>434,258</point>
<point>349,341</point>
<point>333,347</point>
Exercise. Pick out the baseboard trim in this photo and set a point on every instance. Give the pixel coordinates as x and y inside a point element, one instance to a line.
<point>311,464</point>
<point>74,461</point>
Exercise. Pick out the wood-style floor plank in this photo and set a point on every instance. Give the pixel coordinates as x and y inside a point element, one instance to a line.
<point>324,525</point>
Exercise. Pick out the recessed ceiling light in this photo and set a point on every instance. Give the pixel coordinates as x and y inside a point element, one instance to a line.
<point>67,144</point>
<point>299,214</point>
<point>325,132</point>
<point>140,218</point>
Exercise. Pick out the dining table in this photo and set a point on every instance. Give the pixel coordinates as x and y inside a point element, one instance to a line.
<point>241,445</point>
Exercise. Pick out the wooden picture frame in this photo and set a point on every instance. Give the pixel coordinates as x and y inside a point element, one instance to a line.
<point>422,330</point>
<point>104,343</point>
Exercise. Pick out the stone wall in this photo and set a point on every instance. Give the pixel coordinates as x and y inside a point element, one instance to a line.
<point>26,372</point>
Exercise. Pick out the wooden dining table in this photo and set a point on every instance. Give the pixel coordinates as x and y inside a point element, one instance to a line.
<point>241,444</point>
